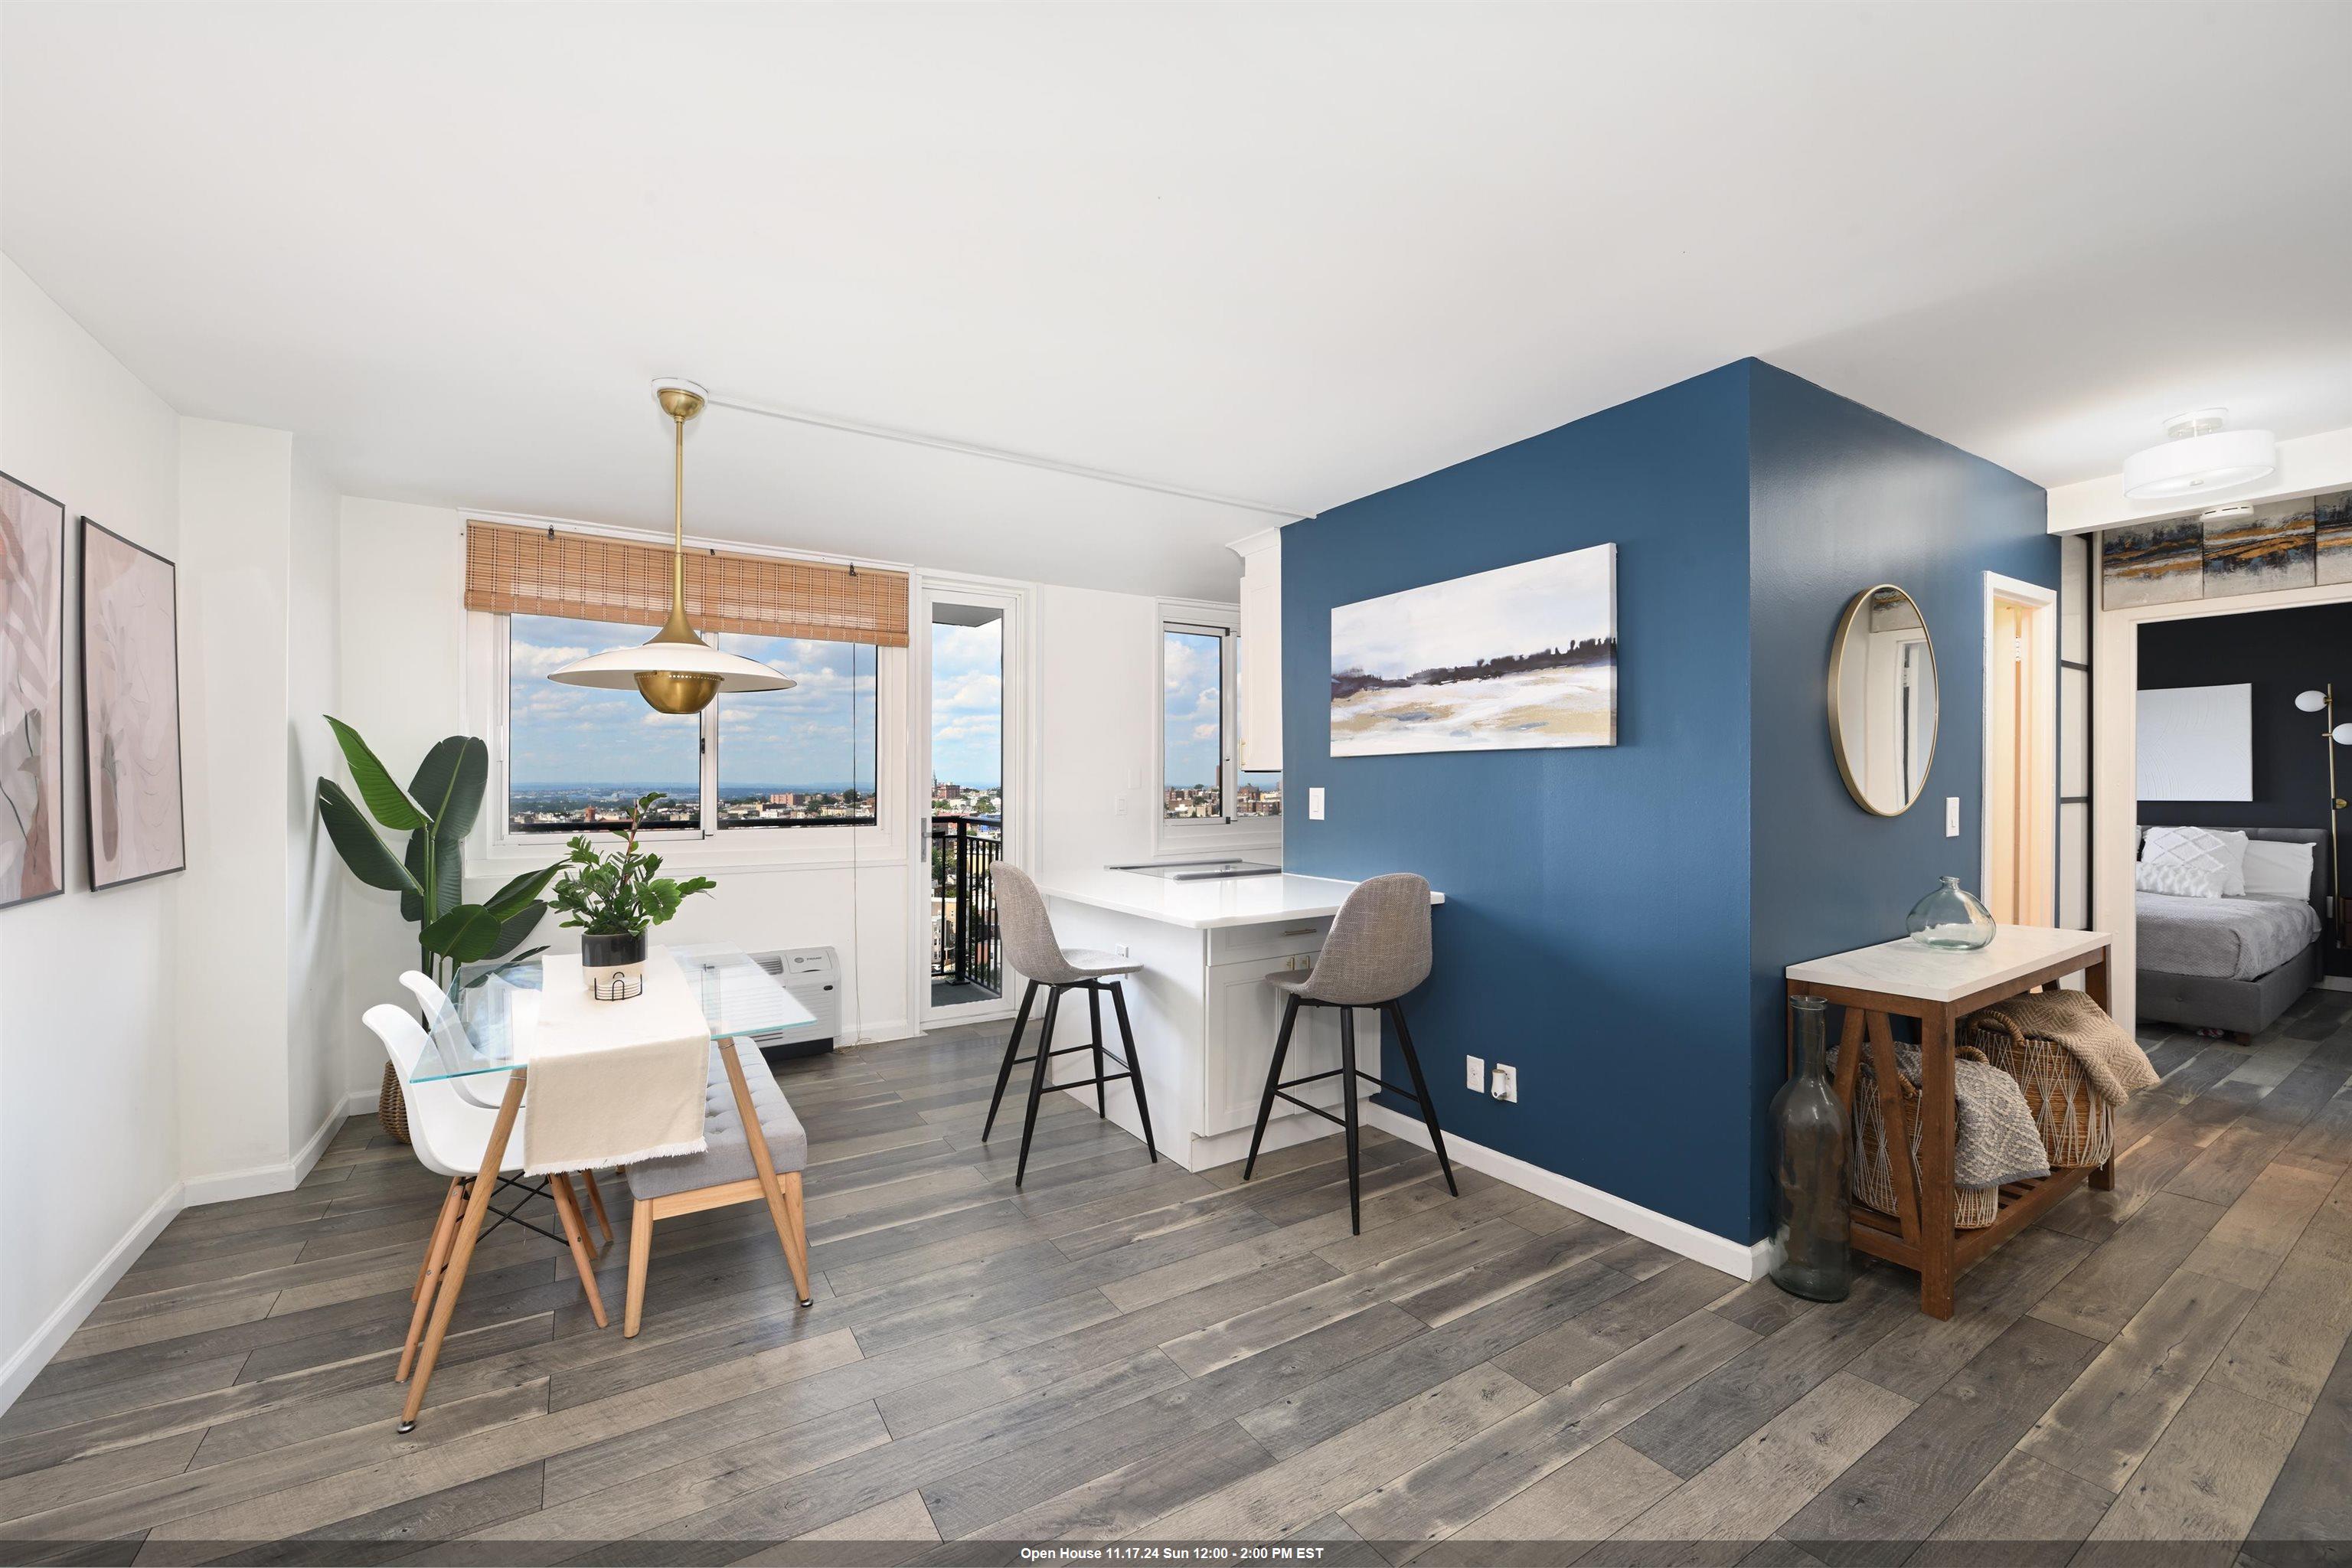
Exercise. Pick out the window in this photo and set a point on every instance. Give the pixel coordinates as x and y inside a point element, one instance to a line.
<point>577,758</point>
<point>1199,781</point>
<point>801,758</point>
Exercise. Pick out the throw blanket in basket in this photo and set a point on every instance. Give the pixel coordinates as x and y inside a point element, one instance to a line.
<point>1995,1140</point>
<point>615,1082</point>
<point>2111,1060</point>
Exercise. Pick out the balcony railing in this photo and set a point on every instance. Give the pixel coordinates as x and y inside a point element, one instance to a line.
<point>963,902</point>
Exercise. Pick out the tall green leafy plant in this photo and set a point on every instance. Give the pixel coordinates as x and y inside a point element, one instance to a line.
<point>436,811</point>
<point>621,894</point>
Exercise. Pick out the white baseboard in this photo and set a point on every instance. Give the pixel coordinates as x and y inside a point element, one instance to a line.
<point>282,1175</point>
<point>1740,1260</point>
<point>21,1368</point>
<point>885,1030</point>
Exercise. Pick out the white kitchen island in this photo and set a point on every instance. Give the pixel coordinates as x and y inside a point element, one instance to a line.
<point>1205,1017</point>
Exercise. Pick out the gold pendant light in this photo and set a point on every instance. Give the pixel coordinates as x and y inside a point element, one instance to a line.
<point>675,671</point>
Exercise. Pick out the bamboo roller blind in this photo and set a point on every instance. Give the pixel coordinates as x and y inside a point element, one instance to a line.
<point>511,570</point>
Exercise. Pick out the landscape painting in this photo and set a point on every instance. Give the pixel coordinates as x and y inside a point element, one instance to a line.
<point>2268,548</point>
<point>2333,516</point>
<point>32,694</point>
<point>1517,659</point>
<point>130,709</point>
<point>2152,563</point>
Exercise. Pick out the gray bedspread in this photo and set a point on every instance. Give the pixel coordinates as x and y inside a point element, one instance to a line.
<point>2222,938</point>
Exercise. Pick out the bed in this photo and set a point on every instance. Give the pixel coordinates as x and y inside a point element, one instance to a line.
<point>2232,964</point>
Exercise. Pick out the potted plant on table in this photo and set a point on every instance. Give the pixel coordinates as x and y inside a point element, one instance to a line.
<point>615,899</point>
<point>436,811</point>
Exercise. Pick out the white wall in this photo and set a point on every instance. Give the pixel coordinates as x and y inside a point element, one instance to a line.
<point>85,980</point>
<point>320,1052</point>
<point>1097,699</point>
<point>235,506</point>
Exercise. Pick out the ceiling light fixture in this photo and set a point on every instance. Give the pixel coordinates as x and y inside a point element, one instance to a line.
<point>2198,456</point>
<point>676,672</point>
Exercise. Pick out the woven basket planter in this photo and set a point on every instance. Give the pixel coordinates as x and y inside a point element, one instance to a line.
<point>391,1109</point>
<point>1973,1208</point>
<point>2077,1127</point>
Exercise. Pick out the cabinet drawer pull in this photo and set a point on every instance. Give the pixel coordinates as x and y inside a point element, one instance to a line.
<point>1300,931</point>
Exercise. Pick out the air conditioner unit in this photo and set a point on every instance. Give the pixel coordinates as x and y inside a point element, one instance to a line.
<point>813,975</point>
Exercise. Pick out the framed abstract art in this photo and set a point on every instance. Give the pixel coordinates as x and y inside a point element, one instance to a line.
<point>32,694</point>
<point>130,709</point>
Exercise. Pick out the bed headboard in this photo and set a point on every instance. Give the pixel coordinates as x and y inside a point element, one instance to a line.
<point>2317,839</point>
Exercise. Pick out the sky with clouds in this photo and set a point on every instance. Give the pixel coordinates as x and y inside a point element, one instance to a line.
<point>968,704</point>
<point>1191,708</point>
<point>819,733</point>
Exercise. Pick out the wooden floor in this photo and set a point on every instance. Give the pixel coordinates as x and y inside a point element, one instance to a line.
<point>1129,1350</point>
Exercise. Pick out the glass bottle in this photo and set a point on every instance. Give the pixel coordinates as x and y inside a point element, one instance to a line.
<point>1814,1208</point>
<point>1951,917</point>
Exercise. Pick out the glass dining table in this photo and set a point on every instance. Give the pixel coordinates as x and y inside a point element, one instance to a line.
<point>483,1040</point>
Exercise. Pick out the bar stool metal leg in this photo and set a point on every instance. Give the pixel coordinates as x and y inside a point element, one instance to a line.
<point>1421,1091</point>
<point>1012,1050</point>
<point>1037,1081</point>
<point>1094,1018</point>
<point>1273,1082</point>
<point>1134,1068</point>
<point>1348,1109</point>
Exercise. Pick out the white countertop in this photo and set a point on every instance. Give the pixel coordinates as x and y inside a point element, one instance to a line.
<point>1202,905</point>
<point>1904,968</point>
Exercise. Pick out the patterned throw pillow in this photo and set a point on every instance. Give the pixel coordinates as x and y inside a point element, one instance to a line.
<point>2181,878</point>
<point>2200,849</point>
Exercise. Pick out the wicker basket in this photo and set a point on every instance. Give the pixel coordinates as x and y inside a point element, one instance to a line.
<point>391,1109</point>
<point>1973,1208</point>
<point>2077,1126</point>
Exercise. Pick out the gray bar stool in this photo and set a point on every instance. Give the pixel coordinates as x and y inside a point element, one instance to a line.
<point>1029,947</point>
<point>1376,951</point>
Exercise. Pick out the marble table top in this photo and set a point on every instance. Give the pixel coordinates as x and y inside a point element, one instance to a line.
<point>1905,968</point>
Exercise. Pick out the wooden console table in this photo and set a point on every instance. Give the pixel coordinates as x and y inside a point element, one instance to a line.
<point>1874,985</point>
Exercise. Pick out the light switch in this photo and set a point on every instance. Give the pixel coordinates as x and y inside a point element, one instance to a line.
<point>1315,804</point>
<point>1951,816</point>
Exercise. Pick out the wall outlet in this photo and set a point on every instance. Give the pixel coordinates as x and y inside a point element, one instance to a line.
<point>1475,1074</point>
<point>1119,804</point>
<point>1121,949</point>
<point>1505,1084</point>
<point>1315,804</point>
<point>1951,816</point>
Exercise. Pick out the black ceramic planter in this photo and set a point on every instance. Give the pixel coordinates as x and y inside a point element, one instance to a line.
<point>613,966</point>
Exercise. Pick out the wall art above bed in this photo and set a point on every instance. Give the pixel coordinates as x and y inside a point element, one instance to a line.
<point>2300,542</point>
<point>1517,658</point>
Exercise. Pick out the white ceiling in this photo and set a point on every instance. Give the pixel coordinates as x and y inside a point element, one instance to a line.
<point>1297,253</point>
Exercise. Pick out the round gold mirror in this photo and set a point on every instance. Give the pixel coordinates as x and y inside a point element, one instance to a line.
<point>1884,700</point>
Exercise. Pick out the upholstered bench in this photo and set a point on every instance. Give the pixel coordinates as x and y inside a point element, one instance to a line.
<point>724,1173</point>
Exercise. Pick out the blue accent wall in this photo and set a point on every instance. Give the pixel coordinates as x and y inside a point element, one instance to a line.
<point>1618,917</point>
<point>1844,497</point>
<point>1595,935</point>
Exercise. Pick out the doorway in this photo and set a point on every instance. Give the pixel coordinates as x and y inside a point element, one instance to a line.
<point>2021,752</point>
<point>970,795</point>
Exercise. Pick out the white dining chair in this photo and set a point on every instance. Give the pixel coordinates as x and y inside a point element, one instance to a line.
<point>436,1007</point>
<point>449,1135</point>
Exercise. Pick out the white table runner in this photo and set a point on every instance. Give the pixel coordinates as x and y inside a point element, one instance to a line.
<point>614,1083</point>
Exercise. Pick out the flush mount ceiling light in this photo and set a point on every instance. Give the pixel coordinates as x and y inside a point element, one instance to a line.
<point>2198,456</point>
<point>676,672</point>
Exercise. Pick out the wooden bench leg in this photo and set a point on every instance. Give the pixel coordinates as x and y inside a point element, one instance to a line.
<point>641,1257</point>
<point>757,1136</point>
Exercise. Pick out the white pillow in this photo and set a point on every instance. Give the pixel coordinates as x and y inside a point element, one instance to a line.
<point>2199,847</point>
<point>2178,877</point>
<point>2278,870</point>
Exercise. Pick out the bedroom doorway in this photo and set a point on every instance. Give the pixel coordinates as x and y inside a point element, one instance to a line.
<point>2021,752</point>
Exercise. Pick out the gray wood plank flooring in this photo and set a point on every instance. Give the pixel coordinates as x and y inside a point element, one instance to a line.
<point>1124,1352</point>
